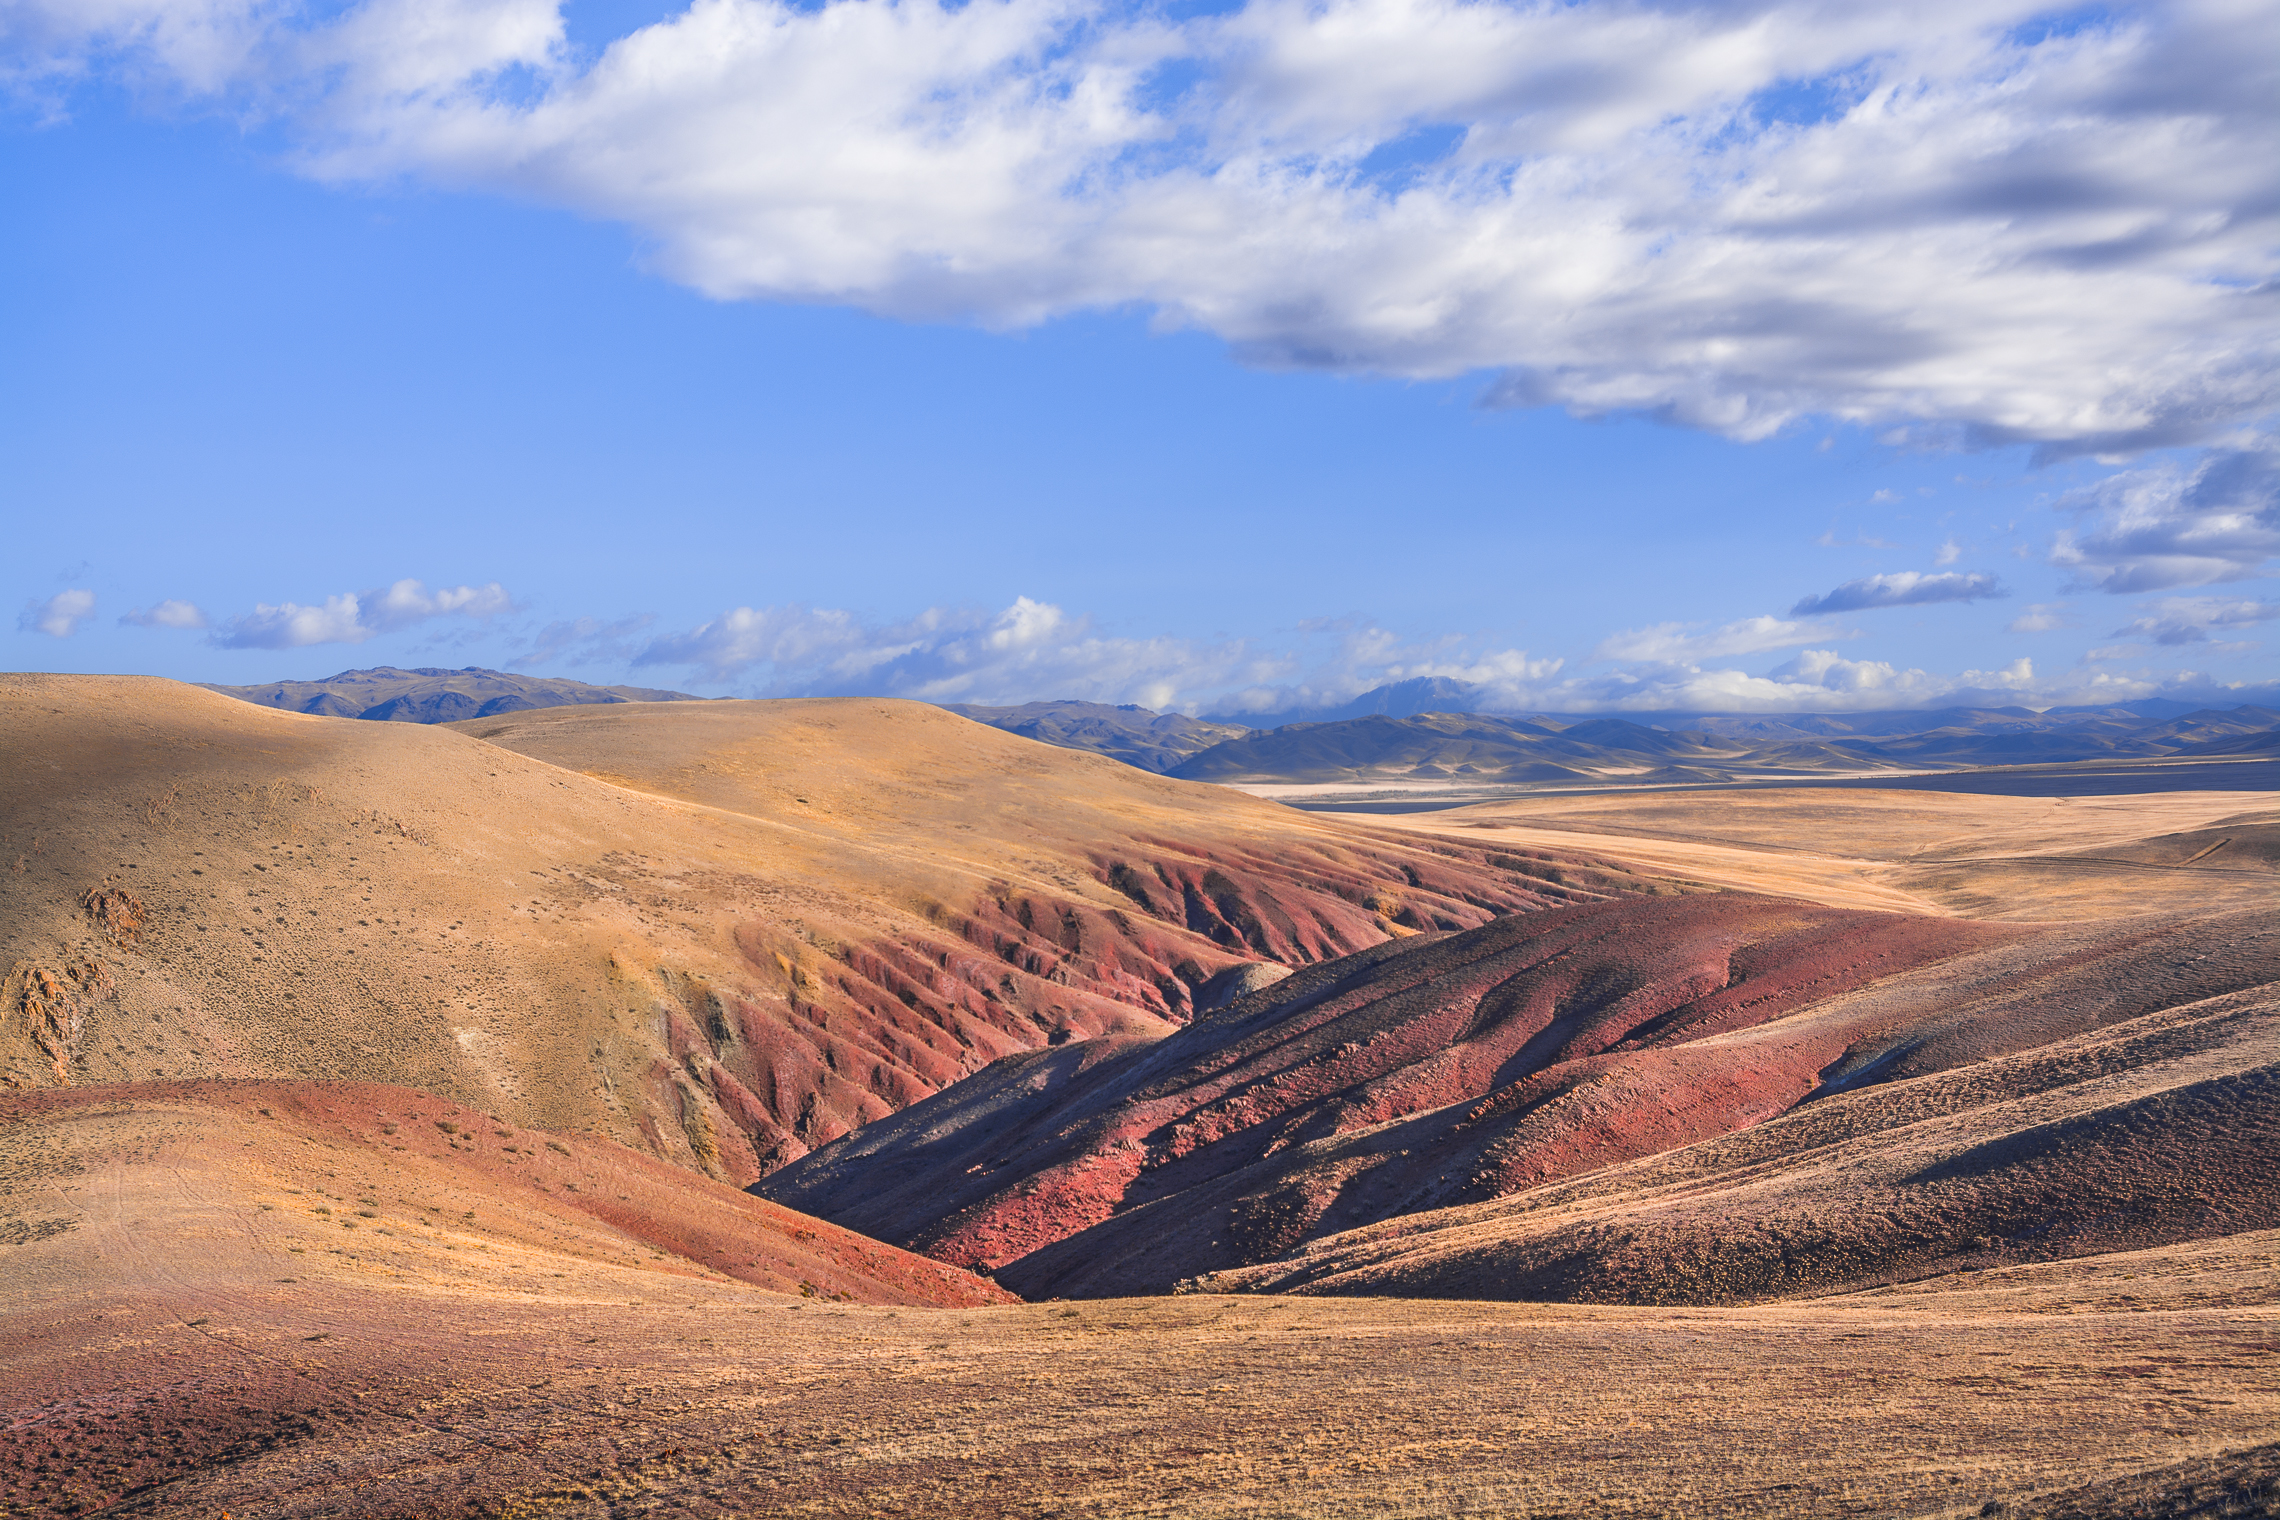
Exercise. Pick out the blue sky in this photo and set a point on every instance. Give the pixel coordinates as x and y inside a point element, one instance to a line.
<point>441,345</point>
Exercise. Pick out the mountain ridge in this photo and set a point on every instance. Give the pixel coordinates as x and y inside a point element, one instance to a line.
<point>432,694</point>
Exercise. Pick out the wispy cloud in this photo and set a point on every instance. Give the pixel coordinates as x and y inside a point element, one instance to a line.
<point>584,641</point>
<point>2188,620</point>
<point>354,616</point>
<point>1690,643</point>
<point>2008,233</point>
<point>2042,617</point>
<point>1901,588</point>
<point>2171,526</point>
<point>170,613</point>
<point>59,616</point>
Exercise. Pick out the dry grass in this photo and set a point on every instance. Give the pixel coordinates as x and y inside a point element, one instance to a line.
<point>2011,858</point>
<point>755,926</point>
<point>197,1336</point>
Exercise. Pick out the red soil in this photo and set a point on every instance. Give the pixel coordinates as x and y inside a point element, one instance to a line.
<point>518,1185</point>
<point>1470,1068</point>
<point>2157,1130</point>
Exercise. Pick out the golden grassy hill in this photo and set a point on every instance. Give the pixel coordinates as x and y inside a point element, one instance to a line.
<point>751,927</point>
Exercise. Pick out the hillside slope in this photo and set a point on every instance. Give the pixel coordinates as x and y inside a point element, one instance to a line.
<point>2152,1131</point>
<point>759,925</point>
<point>1473,1068</point>
<point>228,1181</point>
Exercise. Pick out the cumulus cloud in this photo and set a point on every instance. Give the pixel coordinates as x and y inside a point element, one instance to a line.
<point>2188,620</point>
<point>171,613</point>
<point>59,616</point>
<point>2058,234</point>
<point>2171,526</point>
<point>1034,650</point>
<point>1029,649</point>
<point>1681,643</point>
<point>354,616</point>
<point>1901,588</point>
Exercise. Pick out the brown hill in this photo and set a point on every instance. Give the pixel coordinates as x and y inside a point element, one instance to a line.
<point>228,1181</point>
<point>1476,1067</point>
<point>757,925</point>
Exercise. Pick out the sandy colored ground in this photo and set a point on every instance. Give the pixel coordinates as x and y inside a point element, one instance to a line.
<point>678,937</point>
<point>756,926</point>
<point>179,1349</point>
<point>2022,858</point>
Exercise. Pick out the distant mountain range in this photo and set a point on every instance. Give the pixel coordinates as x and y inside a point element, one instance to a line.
<point>1401,699</point>
<point>1427,731</point>
<point>1474,747</point>
<point>1392,735</point>
<point>426,694</point>
<point>1152,741</point>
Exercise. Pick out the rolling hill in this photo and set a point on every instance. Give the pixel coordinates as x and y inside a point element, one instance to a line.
<point>721,932</point>
<point>1418,1081</point>
<point>380,1096</point>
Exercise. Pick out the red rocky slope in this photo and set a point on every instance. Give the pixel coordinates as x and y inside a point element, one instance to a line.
<point>1476,1066</point>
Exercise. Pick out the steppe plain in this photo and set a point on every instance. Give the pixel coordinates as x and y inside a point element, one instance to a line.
<point>382,1099</point>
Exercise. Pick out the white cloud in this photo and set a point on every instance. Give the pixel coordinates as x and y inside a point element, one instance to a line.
<point>2061,237</point>
<point>1950,552</point>
<point>1816,680</point>
<point>1030,649</point>
<point>1034,650</point>
<point>353,617</point>
<point>2187,620</point>
<point>2042,617</point>
<point>171,613</point>
<point>199,45</point>
<point>1901,588</point>
<point>1829,540</point>
<point>2173,526</point>
<point>1677,642</point>
<point>60,615</point>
